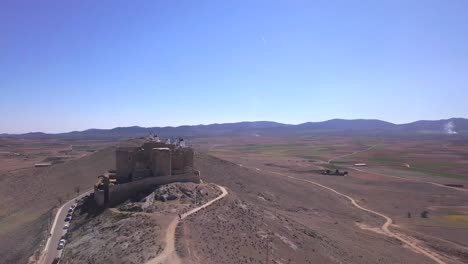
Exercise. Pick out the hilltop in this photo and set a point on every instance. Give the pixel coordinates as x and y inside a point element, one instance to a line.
<point>451,126</point>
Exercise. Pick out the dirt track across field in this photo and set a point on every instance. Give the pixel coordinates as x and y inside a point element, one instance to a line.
<point>386,190</point>
<point>385,227</point>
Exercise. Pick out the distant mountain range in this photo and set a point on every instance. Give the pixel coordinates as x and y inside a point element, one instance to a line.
<point>452,126</point>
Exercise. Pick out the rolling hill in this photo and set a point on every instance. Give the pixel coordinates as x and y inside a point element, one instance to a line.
<point>372,126</point>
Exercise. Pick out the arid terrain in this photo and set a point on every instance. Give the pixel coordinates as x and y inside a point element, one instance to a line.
<point>279,207</point>
<point>29,194</point>
<point>134,231</point>
<point>234,132</point>
<point>386,185</point>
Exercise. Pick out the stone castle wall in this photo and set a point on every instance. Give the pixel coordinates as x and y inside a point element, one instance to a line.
<point>121,192</point>
<point>137,162</point>
<point>145,167</point>
<point>161,162</point>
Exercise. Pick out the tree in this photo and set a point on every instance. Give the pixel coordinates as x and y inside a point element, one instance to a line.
<point>268,240</point>
<point>424,214</point>
<point>59,200</point>
<point>77,190</point>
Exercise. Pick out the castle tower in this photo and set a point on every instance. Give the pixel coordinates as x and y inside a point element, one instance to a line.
<point>124,164</point>
<point>161,161</point>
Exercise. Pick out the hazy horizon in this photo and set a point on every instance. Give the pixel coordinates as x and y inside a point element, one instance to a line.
<point>71,66</point>
<point>207,124</point>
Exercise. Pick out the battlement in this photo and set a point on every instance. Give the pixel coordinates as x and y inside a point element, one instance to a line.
<point>152,163</point>
<point>152,159</point>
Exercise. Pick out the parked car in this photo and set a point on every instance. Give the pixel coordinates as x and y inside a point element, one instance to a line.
<point>67,219</point>
<point>61,244</point>
<point>66,226</point>
<point>69,215</point>
<point>70,210</point>
<point>56,260</point>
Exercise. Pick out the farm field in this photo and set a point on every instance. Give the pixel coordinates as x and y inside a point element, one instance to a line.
<point>404,178</point>
<point>275,188</point>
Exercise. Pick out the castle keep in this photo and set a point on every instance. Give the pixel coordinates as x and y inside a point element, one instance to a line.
<point>140,168</point>
<point>152,159</point>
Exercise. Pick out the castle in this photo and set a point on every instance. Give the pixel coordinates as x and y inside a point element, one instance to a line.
<point>144,167</point>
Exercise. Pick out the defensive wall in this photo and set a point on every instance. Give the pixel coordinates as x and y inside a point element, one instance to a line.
<point>145,167</point>
<point>152,159</point>
<point>121,192</point>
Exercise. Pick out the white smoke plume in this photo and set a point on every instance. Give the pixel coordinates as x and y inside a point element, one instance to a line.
<point>449,128</point>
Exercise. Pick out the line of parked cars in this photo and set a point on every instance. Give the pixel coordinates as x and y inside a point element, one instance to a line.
<point>68,218</point>
<point>70,213</point>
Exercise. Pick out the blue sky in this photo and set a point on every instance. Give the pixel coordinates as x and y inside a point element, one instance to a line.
<point>73,65</point>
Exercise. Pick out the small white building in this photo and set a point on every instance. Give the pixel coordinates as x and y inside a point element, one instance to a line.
<point>360,164</point>
<point>43,164</point>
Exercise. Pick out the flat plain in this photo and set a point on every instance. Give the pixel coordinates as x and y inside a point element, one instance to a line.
<point>280,208</point>
<point>404,179</point>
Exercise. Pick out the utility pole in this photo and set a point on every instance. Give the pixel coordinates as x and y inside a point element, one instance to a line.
<point>267,248</point>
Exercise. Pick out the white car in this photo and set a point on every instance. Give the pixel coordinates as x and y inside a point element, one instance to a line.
<point>66,226</point>
<point>61,244</point>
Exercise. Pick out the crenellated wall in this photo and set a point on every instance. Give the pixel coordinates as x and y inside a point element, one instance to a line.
<point>123,163</point>
<point>144,167</point>
<point>182,160</point>
<point>161,162</point>
<point>134,163</point>
<point>121,192</point>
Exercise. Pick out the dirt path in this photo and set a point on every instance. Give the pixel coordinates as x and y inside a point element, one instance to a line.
<point>169,256</point>
<point>411,180</point>
<point>350,154</point>
<point>409,241</point>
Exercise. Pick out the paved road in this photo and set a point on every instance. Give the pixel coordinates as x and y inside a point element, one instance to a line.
<point>57,231</point>
<point>169,256</point>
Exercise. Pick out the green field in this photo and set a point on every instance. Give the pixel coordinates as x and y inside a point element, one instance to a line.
<point>431,158</point>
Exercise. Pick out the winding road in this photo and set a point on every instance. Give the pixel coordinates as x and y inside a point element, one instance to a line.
<point>410,242</point>
<point>385,227</point>
<point>56,232</point>
<point>169,255</point>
